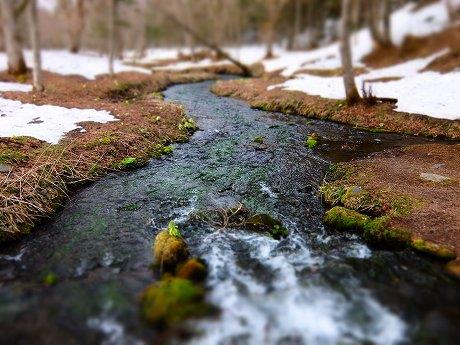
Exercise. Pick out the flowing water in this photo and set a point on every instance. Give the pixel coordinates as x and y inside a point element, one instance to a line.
<point>317,286</point>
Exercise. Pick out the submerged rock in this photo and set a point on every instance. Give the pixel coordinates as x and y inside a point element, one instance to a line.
<point>169,250</point>
<point>265,223</point>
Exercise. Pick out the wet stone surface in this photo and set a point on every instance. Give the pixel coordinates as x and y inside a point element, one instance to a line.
<point>314,287</point>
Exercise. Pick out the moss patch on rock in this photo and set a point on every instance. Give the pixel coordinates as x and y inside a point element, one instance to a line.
<point>266,224</point>
<point>378,232</point>
<point>344,219</point>
<point>172,300</point>
<point>169,250</point>
<point>432,249</point>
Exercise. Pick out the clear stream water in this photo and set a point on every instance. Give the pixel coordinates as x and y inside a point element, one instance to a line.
<point>317,286</point>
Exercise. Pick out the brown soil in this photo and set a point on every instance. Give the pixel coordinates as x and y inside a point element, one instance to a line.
<point>41,174</point>
<point>382,79</point>
<point>434,209</point>
<point>379,117</point>
<point>414,47</point>
<point>332,72</point>
<point>445,63</point>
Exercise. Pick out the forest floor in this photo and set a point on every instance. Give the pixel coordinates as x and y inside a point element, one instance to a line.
<point>36,176</point>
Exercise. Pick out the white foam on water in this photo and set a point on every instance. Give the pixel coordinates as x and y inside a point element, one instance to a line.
<point>286,308</point>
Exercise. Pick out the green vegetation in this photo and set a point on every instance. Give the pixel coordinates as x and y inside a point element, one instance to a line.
<point>259,139</point>
<point>311,141</point>
<point>264,223</point>
<point>126,163</point>
<point>173,229</point>
<point>432,249</point>
<point>50,279</point>
<point>377,231</point>
<point>344,219</point>
<point>159,150</point>
<point>172,300</point>
<point>11,156</point>
<point>188,125</point>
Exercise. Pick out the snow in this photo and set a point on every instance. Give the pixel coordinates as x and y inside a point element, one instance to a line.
<point>45,122</point>
<point>426,93</point>
<point>86,64</point>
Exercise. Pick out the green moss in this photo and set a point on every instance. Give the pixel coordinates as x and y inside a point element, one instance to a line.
<point>266,224</point>
<point>378,232</point>
<point>126,163</point>
<point>259,139</point>
<point>188,125</point>
<point>402,205</point>
<point>169,251</point>
<point>311,141</point>
<point>132,206</point>
<point>344,219</point>
<point>193,269</point>
<point>10,156</point>
<point>172,300</point>
<point>50,279</point>
<point>432,249</point>
<point>173,229</point>
<point>159,150</point>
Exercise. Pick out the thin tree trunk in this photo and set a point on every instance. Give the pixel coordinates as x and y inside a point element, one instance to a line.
<point>36,48</point>
<point>112,38</point>
<point>77,26</point>
<point>245,69</point>
<point>297,23</point>
<point>450,9</point>
<point>380,11</point>
<point>16,63</point>
<point>351,91</point>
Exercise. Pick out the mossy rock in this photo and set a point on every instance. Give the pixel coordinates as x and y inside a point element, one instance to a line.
<point>378,232</point>
<point>453,268</point>
<point>127,163</point>
<point>194,269</point>
<point>331,193</point>
<point>169,250</point>
<point>172,300</point>
<point>265,223</point>
<point>432,249</point>
<point>345,219</point>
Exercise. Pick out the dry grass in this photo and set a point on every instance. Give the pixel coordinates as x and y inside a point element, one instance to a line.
<point>40,181</point>
<point>380,117</point>
<point>330,72</point>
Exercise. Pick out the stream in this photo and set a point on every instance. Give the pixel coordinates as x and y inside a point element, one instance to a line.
<point>317,286</point>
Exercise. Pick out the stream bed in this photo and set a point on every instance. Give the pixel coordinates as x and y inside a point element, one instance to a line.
<point>316,286</point>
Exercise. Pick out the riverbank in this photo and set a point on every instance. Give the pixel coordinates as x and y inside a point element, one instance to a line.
<point>379,117</point>
<point>400,197</point>
<point>37,176</point>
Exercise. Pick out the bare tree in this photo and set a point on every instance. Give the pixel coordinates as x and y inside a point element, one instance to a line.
<point>11,10</point>
<point>112,32</point>
<point>36,48</point>
<point>351,91</point>
<point>452,10</point>
<point>379,12</point>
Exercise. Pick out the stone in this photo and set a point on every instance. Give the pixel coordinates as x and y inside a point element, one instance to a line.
<point>434,177</point>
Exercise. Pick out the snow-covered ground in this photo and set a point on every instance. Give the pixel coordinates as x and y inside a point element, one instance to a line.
<point>45,122</point>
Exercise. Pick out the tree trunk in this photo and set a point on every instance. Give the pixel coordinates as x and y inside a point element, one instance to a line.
<point>297,23</point>
<point>36,48</point>
<point>77,26</point>
<point>379,12</point>
<point>450,10</point>
<point>351,91</point>
<point>112,38</point>
<point>16,63</point>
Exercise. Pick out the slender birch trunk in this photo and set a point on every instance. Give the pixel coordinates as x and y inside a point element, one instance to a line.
<point>16,63</point>
<point>36,47</point>
<point>112,33</point>
<point>351,91</point>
